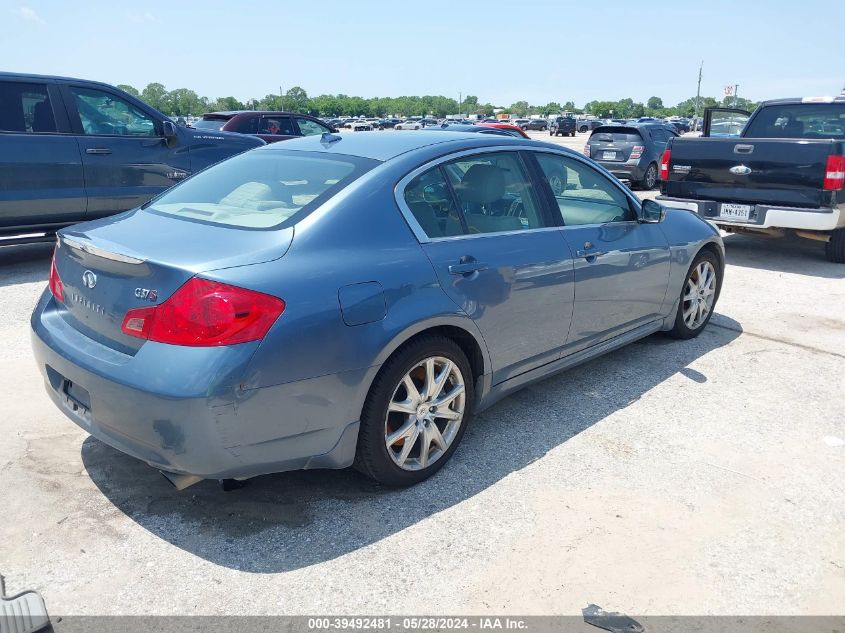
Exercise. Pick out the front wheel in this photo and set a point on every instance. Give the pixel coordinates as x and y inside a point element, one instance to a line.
<point>834,250</point>
<point>416,412</point>
<point>572,133</point>
<point>698,296</point>
<point>583,129</point>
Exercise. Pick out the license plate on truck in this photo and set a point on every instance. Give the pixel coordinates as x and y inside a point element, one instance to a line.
<point>608,155</point>
<point>735,211</point>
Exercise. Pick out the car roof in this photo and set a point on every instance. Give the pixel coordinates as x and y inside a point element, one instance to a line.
<point>232,113</point>
<point>481,128</point>
<point>383,147</point>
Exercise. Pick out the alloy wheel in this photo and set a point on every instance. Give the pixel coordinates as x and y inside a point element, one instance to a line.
<point>699,295</point>
<point>425,413</point>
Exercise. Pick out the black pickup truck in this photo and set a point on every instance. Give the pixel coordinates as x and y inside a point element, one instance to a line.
<point>778,170</point>
<point>74,150</point>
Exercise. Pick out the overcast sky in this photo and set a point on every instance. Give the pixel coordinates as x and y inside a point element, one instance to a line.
<point>499,51</point>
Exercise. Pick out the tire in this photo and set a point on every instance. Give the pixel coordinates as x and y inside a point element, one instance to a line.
<point>583,129</point>
<point>373,457</point>
<point>551,133</point>
<point>834,250</point>
<point>649,181</point>
<point>572,133</point>
<point>686,328</point>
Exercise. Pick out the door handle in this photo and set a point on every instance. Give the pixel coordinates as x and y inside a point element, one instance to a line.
<point>590,254</point>
<point>100,151</point>
<point>466,268</point>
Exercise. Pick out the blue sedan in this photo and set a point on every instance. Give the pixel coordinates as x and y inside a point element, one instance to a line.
<point>337,301</point>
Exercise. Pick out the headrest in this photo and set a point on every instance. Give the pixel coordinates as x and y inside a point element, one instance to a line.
<point>482,184</point>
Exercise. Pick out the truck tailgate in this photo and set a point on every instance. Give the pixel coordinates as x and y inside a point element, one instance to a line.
<point>785,172</point>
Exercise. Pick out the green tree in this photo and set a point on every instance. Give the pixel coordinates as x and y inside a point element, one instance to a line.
<point>654,103</point>
<point>129,89</point>
<point>296,100</point>
<point>155,94</point>
<point>520,108</point>
<point>226,103</point>
<point>181,102</point>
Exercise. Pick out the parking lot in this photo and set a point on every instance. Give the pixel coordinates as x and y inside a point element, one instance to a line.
<point>669,477</point>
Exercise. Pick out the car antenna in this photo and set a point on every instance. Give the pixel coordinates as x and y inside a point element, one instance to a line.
<point>328,138</point>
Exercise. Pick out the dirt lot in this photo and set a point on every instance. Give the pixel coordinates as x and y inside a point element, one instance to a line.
<point>699,477</point>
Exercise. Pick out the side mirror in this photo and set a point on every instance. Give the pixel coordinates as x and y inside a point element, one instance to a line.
<point>169,132</point>
<point>652,212</point>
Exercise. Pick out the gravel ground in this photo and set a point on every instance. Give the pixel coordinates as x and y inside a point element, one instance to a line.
<point>699,477</point>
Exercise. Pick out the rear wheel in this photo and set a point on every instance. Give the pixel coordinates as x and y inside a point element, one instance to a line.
<point>650,179</point>
<point>416,412</point>
<point>583,129</point>
<point>572,133</point>
<point>835,247</point>
<point>698,296</point>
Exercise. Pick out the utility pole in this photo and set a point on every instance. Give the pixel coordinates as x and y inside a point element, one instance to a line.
<point>698,92</point>
<point>460,102</point>
<point>736,90</point>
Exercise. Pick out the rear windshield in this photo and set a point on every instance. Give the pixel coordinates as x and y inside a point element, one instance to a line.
<point>616,135</point>
<point>799,120</point>
<point>262,189</point>
<point>209,124</point>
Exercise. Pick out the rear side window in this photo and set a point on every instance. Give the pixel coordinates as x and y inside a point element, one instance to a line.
<point>25,107</point>
<point>210,124</point>
<point>276,125</point>
<point>430,200</point>
<point>245,125</point>
<point>259,190</point>
<point>799,120</point>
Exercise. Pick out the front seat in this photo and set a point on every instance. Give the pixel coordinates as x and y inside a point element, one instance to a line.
<point>480,189</point>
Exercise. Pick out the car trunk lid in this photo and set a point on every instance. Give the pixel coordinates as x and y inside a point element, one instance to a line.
<point>614,144</point>
<point>103,278</point>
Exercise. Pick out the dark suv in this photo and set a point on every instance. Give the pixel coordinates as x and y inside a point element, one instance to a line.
<point>630,152</point>
<point>268,126</point>
<point>563,125</point>
<point>74,150</point>
<point>536,124</point>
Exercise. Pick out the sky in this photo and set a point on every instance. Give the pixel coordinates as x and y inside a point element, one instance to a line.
<point>500,52</point>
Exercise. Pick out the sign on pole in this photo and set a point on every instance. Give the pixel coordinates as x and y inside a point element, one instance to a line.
<point>729,91</point>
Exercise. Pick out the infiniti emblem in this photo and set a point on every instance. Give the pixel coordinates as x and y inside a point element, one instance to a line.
<point>740,170</point>
<point>89,279</point>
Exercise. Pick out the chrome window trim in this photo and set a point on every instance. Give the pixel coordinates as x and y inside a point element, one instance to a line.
<point>423,238</point>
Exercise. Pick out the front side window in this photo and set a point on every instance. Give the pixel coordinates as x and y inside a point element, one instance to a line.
<point>101,113</point>
<point>260,190</point>
<point>583,195</point>
<point>25,107</point>
<point>495,193</point>
<point>310,128</point>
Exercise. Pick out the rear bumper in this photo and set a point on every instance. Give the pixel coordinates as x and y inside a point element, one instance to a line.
<point>624,171</point>
<point>181,410</point>
<point>764,216</point>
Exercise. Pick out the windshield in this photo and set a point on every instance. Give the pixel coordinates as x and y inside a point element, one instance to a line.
<point>616,135</point>
<point>259,190</point>
<point>209,124</point>
<point>799,120</point>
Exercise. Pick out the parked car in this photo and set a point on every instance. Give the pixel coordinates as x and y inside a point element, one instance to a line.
<point>74,150</point>
<point>562,125</point>
<point>587,125</point>
<point>681,124</point>
<point>630,152</point>
<point>388,123</point>
<point>408,125</point>
<point>517,122</point>
<point>218,332</point>
<point>784,173</point>
<point>508,128</point>
<point>267,125</point>
<point>477,129</point>
<point>536,124</point>
<point>360,125</point>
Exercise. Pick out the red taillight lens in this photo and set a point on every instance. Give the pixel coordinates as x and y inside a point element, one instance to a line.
<point>636,152</point>
<point>587,150</point>
<point>664,164</point>
<point>834,173</point>
<point>205,313</point>
<point>56,286</point>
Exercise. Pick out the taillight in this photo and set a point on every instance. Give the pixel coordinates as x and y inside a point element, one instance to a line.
<point>664,164</point>
<point>206,313</point>
<point>834,173</point>
<point>587,150</point>
<point>636,152</point>
<point>56,286</point>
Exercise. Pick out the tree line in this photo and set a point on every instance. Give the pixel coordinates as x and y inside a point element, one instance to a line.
<point>183,102</point>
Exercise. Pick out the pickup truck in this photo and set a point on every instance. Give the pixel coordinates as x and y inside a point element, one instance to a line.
<point>778,170</point>
<point>74,150</point>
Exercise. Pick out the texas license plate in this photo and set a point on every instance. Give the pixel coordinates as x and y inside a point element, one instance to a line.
<point>608,155</point>
<point>735,211</point>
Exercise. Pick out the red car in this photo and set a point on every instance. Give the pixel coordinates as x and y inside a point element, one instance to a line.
<point>515,130</point>
<point>270,126</point>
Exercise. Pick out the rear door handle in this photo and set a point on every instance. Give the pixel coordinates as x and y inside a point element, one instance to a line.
<point>466,268</point>
<point>98,150</point>
<point>589,254</point>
